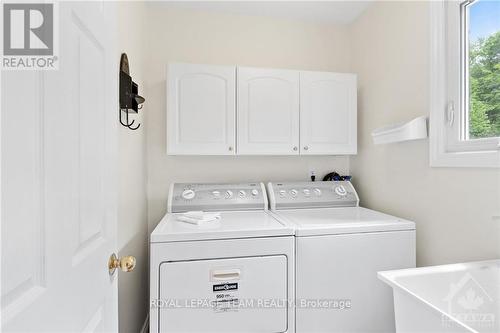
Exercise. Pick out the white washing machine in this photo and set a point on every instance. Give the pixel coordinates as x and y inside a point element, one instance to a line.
<point>234,275</point>
<point>340,247</point>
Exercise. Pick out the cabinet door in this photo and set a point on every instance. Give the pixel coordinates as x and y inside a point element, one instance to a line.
<point>328,113</point>
<point>201,109</point>
<point>268,111</point>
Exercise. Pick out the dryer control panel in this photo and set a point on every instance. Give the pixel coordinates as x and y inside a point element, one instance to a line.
<point>312,194</point>
<point>184,197</point>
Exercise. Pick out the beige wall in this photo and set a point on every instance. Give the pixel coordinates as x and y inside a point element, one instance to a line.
<point>453,207</point>
<point>133,288</point>
<point>197,37</point>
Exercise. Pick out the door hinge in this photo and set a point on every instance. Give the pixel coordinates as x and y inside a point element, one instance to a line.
<point>450,113</point>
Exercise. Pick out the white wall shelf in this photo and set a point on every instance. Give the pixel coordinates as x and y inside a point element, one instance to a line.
<point>414,129</point>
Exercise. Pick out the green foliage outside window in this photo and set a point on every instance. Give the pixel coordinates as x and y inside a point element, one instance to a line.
<point>484,86</point>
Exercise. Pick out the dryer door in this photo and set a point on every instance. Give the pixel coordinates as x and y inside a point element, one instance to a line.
<point>224,295</point>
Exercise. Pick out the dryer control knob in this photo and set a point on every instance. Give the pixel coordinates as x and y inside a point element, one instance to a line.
<point>188,194</point>
<point>255,193</point>
<point>317,192</point>
<point>229,194</point>
<point>294,193</point>
<point>242,194</point>
<point>307,192</point>
<point>282,193</point>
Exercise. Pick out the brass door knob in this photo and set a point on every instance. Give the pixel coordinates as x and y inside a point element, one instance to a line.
<point>125,263</point>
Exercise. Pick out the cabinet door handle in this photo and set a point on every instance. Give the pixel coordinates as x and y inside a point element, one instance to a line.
<point>230,148</point>
<point>295,148</point>
<point>306,148</point>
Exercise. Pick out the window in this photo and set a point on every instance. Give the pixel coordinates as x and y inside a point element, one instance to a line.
<point>481,40</point>
<point>465,83</point>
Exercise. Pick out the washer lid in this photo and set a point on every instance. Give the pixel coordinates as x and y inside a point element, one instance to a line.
<point>342,220</point>
<point>239,224</point>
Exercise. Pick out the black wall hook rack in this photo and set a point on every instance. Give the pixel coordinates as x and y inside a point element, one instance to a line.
<point>130,100</point>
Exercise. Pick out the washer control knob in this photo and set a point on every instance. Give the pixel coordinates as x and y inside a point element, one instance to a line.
<point>255,193</point>
<point>242,194</point>
<point>317,192</point>
<point>340,190</point>
<point>282,193</point>
<point>229,194</point>
<point>307,192</point>
<point>188,194</point>
<point>216,194</point>
<point>294,193</point>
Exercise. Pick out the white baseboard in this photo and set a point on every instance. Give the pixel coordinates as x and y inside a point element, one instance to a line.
<point>145,326</point>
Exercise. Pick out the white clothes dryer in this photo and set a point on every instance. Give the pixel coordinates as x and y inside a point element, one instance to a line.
<point>233,275</point>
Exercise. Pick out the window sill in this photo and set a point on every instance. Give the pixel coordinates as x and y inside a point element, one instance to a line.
<point>466,159</point>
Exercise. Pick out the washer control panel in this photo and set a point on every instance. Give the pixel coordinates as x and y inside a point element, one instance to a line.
<point>185,197</point>
<point>312,194</point>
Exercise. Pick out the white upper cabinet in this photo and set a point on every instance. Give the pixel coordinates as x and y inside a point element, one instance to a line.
<point>328,113</point>
<point>278,111</point>
<point>268,111</point>
<point>201,109</point>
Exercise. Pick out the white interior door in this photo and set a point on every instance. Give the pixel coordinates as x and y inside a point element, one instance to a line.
<point>328,113</point>
<point>268,111</point>
<point>201,109</point>
<point>58,190</point>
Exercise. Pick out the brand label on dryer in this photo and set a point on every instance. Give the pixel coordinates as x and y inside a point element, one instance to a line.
<point>226,297</point>
<point>225,287</point>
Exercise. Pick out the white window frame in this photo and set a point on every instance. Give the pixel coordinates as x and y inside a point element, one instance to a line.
<point>449,146</point>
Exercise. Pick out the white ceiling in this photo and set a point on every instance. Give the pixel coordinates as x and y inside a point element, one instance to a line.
<point>316,11</point>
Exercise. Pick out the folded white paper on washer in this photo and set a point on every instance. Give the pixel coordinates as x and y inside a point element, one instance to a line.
<point>198,217</point>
